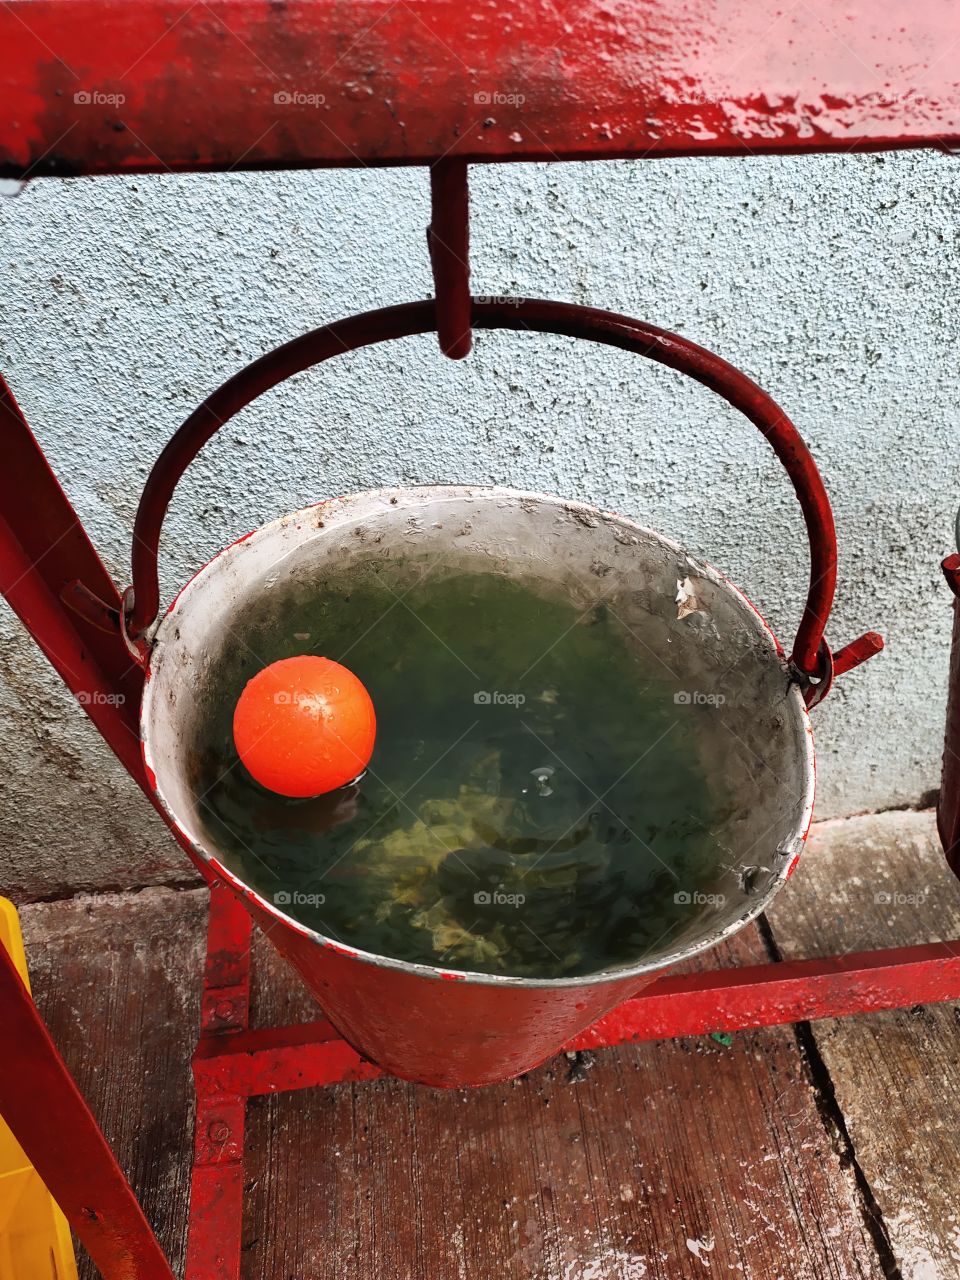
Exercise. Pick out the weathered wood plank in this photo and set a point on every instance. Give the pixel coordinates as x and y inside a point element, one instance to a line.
<point>655,1161</point>
<point>872,882</point>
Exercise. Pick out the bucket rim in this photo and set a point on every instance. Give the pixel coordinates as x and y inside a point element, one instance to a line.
<point>205,859</point>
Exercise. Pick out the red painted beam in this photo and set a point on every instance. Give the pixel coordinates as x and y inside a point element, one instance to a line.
<point>769,994</point>
<point>45,555</point>
<point>276,1060</point>
<point>311,1054</point>
<point>49,1118</point>
<point>114,86</point>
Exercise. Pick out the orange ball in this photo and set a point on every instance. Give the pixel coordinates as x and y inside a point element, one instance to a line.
<point>304,726</point>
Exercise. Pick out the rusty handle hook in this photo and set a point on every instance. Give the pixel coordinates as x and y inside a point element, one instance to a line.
<point>448,240</point>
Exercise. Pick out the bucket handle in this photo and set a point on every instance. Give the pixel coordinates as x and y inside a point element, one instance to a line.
<point>812,662</point>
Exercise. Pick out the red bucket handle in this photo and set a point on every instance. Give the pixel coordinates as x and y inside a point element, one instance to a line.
<point>811,657</point>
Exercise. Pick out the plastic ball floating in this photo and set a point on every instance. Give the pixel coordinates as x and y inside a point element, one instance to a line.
<point>304,726</point>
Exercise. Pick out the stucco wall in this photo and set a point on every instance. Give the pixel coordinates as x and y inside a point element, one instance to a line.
<point>831,280</point>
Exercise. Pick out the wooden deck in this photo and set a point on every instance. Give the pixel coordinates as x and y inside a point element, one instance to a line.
<point>823,1150</point>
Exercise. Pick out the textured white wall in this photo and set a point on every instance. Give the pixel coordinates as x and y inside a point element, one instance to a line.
<point>831,280</point>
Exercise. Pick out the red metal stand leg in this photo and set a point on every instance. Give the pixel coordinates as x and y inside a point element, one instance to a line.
<point>216,1189</point>
<point>226,979</point>
<point>49,1118</point>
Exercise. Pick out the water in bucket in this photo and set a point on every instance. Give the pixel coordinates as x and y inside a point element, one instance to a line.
<point>543,798</point>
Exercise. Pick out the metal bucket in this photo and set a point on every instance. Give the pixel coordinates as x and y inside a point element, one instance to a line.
<point>448,1027</point>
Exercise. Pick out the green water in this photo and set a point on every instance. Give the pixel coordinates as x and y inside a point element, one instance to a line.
<point>534,801</point>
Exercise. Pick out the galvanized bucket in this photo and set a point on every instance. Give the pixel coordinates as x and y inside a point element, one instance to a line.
<point>447,1027</point>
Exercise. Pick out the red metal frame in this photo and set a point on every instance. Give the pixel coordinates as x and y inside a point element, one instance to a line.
<point>416,82</point>
<point>232,1064</point>
<point>110,86</point>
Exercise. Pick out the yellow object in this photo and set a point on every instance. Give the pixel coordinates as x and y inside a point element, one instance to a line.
<point>35,1239</point>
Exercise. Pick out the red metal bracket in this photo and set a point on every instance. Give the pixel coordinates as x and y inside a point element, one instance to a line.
<point>448,238</point>
<point>951,571</point>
